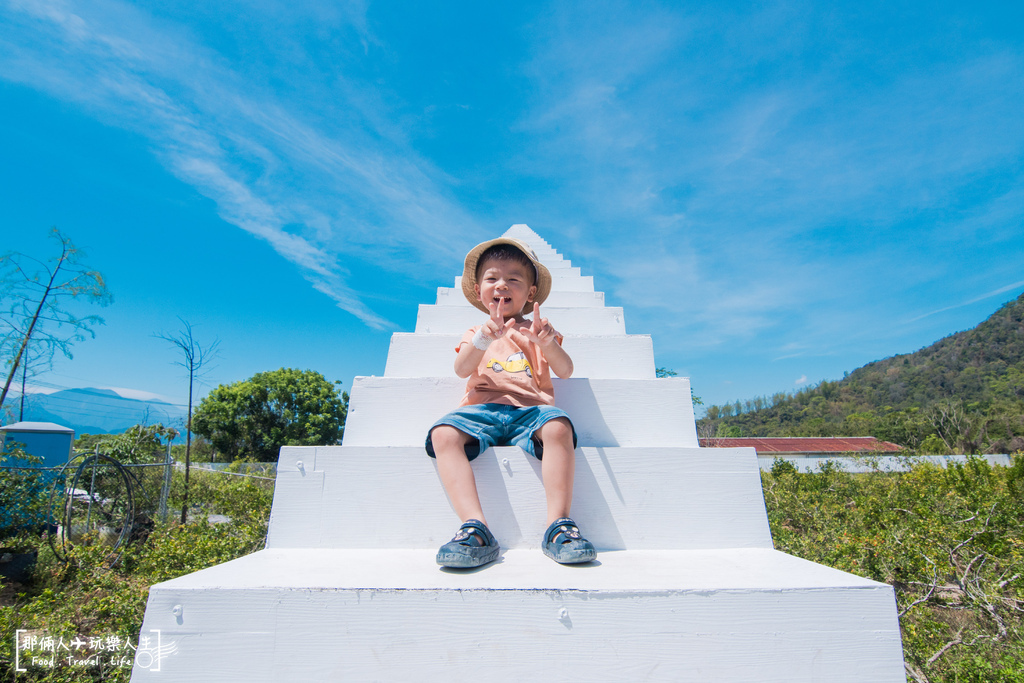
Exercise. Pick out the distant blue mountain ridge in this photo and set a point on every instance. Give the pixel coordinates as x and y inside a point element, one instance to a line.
<point>94,411</point>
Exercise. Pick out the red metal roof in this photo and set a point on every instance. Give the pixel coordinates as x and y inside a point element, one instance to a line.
<point>806,444</point>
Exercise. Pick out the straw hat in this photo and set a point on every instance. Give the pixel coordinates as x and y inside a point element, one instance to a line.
<point>543,280</point>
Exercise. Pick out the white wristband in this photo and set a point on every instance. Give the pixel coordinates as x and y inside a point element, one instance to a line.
<point>481,340</point>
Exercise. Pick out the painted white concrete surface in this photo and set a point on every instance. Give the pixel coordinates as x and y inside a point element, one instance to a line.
<point>657,615</point>
<point>522,231</point>
<point>595,357</point>
<point>398,411</point>
<point>440,636</point>
<point>636,498</point>
<point>433,319</point>
<point>686,586</point>
<point>685,571</point>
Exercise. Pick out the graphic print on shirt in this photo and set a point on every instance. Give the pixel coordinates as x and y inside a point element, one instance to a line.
<point>515,363</point>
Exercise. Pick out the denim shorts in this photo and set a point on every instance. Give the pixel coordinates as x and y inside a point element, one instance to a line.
<point>497,424</point>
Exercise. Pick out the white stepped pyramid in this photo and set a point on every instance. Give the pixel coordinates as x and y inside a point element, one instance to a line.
<point>686,587</point>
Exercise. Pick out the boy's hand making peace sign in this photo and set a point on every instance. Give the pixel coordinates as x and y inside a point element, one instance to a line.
<point>540,331</point>
<point>496,326</point>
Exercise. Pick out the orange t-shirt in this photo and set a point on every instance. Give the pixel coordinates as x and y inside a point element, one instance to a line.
<point>513,371</point>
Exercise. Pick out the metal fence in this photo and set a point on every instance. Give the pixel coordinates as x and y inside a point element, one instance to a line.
<point>96,497</point>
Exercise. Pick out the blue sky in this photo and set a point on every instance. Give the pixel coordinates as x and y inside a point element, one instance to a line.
<point>777,192</point>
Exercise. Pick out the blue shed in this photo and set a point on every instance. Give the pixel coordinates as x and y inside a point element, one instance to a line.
<point>47,440</point>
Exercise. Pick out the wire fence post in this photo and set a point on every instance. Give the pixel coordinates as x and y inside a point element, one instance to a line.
<point>92,492</point>
<point>165,491</point>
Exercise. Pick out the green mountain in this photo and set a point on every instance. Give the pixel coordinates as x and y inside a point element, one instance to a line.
<point>964,393</point>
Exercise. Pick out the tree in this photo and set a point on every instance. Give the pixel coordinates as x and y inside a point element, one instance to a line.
<point>961,430</point>
<point>669,372</point>
<point>194,357</point>
<point>286,407</point>
<point>35,297</point>
<point>33,361</point>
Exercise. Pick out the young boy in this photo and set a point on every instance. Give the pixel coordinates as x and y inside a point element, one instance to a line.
<point>509,400</point>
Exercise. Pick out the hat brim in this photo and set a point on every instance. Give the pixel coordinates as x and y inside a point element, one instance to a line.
<point>543,282</point>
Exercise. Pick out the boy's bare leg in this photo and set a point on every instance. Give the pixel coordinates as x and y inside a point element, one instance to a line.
<point>455,471</point>
<point>558,466</point>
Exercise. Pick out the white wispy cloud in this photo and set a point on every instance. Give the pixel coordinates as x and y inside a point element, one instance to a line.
<point>986,295</point>
<point>765,182</point>
<point>761,182</point>
<point>320,196</point>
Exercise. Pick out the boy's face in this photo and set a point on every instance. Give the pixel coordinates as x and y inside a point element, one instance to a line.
<point>508,284</point>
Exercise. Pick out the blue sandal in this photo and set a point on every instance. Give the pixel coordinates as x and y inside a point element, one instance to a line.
<point>564,544</point>
<point>473,546</point>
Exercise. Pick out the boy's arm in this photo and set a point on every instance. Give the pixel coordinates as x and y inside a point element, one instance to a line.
<point>467,360</point>
<point>544,335</point>
<point>470,355</point>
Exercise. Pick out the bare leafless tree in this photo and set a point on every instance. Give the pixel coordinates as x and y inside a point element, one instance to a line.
<point>968,579</point>
<point>961,430</point>
<point>35,295</point>
<point>194,358</point>
<point>706,432</point>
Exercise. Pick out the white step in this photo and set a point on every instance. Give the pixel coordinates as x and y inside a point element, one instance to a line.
<point>636,498</point>
<point>686,587</point>
<point>398,411</point>
<point>448,296</point>
<point>521,231</point>
<point>551,258</point>
<point>457,319</point>
<point>596,357</point>
<point>754,615</point>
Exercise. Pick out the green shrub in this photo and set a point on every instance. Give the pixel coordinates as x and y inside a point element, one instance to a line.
<point>24,494</point>
<point>781,467</point>
<point>85,598</point>
<point>950,541</point>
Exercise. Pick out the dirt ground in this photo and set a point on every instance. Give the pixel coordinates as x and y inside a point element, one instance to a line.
<point>9,592</point>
